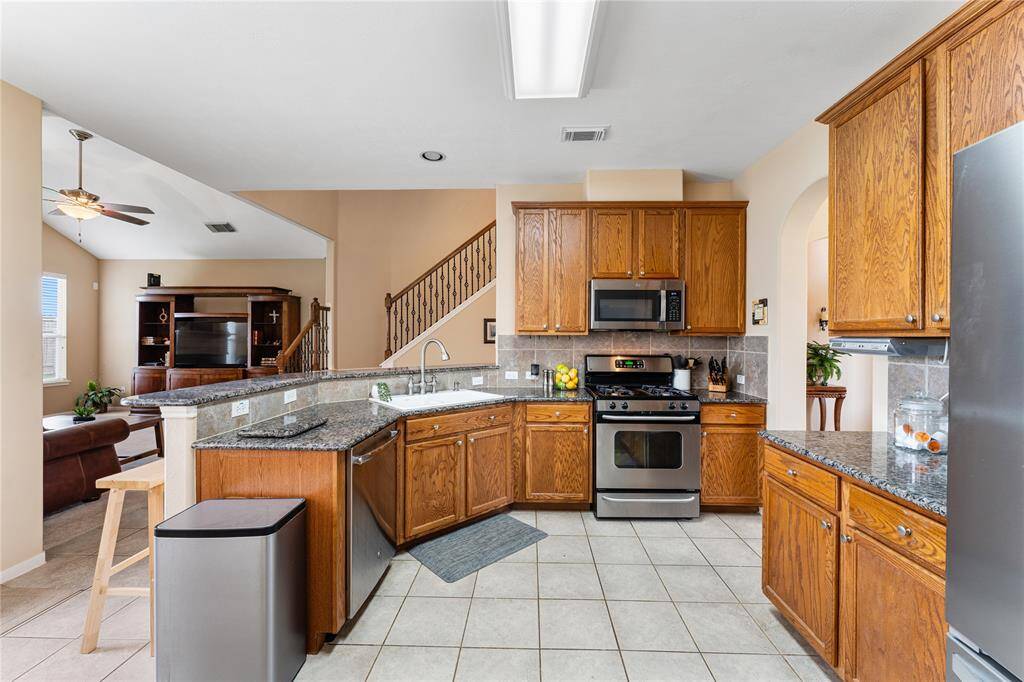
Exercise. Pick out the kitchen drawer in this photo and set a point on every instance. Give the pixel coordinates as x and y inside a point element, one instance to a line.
<point>898,526</point>
<point>731,413</point>
<point>558,412</point>
<point>805,478</point>
<point>456,422</point>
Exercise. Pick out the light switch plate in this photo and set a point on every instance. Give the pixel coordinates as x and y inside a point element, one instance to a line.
<point>290,396</point>
<point>478,381</point>
<point>239,408</point>
<point>740,379</point>
<point>512,375</point>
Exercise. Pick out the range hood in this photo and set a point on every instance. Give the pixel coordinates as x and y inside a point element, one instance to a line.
<point>892,347</point>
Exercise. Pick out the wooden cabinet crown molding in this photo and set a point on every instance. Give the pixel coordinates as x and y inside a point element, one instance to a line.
<point>516,205</point>
<point>949,27</point>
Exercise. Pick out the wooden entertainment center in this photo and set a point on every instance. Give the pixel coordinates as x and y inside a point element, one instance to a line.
<point>272,319</point>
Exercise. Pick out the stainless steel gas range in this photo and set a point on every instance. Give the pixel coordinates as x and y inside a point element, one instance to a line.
<point>646,439</point>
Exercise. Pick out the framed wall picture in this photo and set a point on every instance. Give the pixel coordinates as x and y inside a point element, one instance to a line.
<point>490,329</point>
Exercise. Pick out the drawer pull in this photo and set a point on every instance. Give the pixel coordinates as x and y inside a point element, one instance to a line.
<point>491,417</point>
<point>846,538</point>
<point>791,472</point>
<point>558,413</point>
<point>904,531</point>
<point>826,525</point>
<point>436,427</point>
<point>732,415</point>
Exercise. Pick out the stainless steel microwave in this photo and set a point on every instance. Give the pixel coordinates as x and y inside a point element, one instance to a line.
<point>626,304</point>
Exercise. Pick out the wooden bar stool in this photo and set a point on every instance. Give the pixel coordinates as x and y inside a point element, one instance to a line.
<point>149,478</point>
<point>822,394</point>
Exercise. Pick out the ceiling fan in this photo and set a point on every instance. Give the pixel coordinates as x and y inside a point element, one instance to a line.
<point>83,205</point>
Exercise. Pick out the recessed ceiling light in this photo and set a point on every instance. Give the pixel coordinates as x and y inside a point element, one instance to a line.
<point>432,156</point>
<point>548,47</point>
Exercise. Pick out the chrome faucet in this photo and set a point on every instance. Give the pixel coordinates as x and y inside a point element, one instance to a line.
<point>422,385</point>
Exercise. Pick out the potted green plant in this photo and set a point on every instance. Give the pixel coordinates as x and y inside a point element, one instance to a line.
<point>83,412</point>
<point>823,363</point>
<point>99,397</point>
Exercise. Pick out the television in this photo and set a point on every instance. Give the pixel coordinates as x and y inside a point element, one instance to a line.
<point>211,342</point>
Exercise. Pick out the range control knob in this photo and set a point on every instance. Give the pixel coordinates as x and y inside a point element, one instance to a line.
<point>671,406</point>
<point>625,406</point>
<point>612,406</point>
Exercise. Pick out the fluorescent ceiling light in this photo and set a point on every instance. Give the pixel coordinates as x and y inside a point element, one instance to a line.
<point>550,46</point>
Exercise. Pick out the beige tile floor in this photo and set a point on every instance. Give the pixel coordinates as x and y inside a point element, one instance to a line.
<point>596,600</point>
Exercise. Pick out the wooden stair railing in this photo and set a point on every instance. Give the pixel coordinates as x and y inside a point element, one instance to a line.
<point>309,351</point>
<point>441,289</point>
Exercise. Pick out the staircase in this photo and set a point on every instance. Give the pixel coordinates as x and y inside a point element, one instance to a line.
<point>310,350</point>
<point>440,292</point>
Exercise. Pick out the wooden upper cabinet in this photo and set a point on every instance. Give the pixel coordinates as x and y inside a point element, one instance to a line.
<point>893,615</point>
<point>800,566</point>
<point>716,266</point>
<point>434,484</point>
<point>611,243</point>
<point>876,234</point>
<point>488,470</point>
<point>532,312</point>
<point>657,243</point>
<point>986,75</point>
<point>568,262</point>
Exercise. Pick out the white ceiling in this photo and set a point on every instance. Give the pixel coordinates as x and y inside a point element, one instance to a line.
<point>270,95</point>
<point>182,206</point>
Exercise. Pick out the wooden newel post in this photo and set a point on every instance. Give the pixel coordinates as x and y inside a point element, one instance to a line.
<point>387,314</point>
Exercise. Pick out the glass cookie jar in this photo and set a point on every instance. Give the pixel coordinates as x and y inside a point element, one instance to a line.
<point>921,423</point>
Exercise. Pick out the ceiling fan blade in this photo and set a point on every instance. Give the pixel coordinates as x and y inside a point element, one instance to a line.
<point>50,189</point>
<point>127,208</point>
<point>122,216</point>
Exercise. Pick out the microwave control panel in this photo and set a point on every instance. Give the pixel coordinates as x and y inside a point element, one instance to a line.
<point>673,306</point>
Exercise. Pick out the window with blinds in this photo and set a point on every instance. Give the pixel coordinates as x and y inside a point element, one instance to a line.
<point>55,328</point>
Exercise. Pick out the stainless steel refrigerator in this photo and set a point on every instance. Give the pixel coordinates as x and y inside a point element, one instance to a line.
<point>985,581</point>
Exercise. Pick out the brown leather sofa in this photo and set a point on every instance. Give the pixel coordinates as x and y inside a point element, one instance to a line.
<point>74,457</point>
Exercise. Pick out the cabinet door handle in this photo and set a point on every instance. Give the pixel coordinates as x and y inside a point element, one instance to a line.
<point>704,434</point>
<point>471,440</point>
<point>791,472</point>
<point>642,273</point>
<point>844,538</point>
<point>904,531</point>
<point>545,325</point>
<point>937,317</point>
<point>586,430</point>
<point>688,327</point>
<point>458,442</point>
<point>491,417</point>
<point>910,317</point>
<point>826,524</point>
<point>436,427</point>
<point>558,326</point>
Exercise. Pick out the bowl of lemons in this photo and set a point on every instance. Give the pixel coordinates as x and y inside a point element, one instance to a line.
<point>566,378</point>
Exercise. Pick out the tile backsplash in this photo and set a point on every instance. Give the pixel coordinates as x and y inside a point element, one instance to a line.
<point>747,355</point>
<point>909,375</point>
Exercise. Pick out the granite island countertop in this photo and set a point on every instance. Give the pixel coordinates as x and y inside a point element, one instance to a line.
<point>917,477</point>
<point>351,421</point>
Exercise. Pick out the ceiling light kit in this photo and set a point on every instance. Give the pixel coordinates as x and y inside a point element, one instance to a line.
<point>548,48</point>
<point>432,156</point>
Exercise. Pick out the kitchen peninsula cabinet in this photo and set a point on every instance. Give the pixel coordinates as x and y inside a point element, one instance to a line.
<point>891,145</point>
<point>551,271</point>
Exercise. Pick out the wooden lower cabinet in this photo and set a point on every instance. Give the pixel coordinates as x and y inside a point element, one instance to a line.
<point>187,377</point>
<point>434,484</point>
<point>892,612</point>
<point>148,380</point>
<point>800,567</point>
<point>557,463</point>
<point>730,466</point>
<point>488,470</point>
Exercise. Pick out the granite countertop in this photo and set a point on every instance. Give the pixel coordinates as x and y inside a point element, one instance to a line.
<point>709,397</point>
<point>351,421</point>
<point>917,477</point>
<point>201,395</point>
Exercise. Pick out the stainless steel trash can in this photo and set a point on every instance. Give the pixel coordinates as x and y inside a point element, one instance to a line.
<point>231,591</point>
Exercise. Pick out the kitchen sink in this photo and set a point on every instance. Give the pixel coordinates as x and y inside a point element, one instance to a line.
<point>407,403</point>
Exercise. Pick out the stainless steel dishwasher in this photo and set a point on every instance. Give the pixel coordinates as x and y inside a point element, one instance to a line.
<point>372,485</point>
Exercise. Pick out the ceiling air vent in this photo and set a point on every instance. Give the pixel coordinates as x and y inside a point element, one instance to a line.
<point>584,134</point>
<point>220,227</point>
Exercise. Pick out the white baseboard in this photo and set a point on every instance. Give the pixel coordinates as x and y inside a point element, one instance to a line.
<point>23,568</point>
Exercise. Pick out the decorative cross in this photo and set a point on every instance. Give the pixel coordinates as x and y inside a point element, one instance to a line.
<point>273,316</point>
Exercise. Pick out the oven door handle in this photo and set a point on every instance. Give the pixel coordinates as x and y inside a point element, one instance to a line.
<point>640,418</point>
<point>656,500</point>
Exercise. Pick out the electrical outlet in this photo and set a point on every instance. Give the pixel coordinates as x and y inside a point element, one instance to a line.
<point>239,408</point>
<point>740,379</point>
<point>512,375</point>
<point>478,381</point>
<point>290,396</point>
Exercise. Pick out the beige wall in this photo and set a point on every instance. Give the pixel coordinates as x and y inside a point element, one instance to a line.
<point>21,385</point>
<point>120,281</point>
<point>634,185</point>
<point>462,335</point>
<point>65,257</point>
<point>708,191</point>
<point>316,210</point>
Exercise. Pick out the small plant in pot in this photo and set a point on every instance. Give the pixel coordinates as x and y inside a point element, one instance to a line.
<point>83,412</point>
<point>99,397</point>
<point>823,363</point>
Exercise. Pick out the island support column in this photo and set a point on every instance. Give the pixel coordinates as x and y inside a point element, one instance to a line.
<point>179,459</point>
